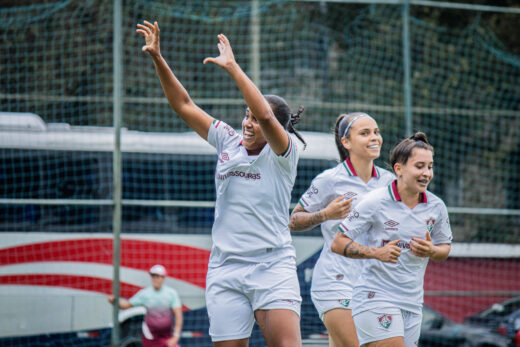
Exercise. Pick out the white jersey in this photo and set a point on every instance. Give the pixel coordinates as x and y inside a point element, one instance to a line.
<point>253,198</point>
<point>384,218</point>
<point>334,275</point>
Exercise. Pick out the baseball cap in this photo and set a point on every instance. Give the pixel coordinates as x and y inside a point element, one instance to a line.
<point>158,270</point>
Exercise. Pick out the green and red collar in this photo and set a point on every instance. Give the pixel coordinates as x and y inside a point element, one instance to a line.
<point>394,194</point>
<point>352,172</point>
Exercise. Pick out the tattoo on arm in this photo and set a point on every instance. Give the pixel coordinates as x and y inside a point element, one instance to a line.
<point>303,220</point>
<point>346,248</point>
<point>356,251</point>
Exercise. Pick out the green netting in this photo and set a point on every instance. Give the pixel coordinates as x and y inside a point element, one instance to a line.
<point>331,57</point>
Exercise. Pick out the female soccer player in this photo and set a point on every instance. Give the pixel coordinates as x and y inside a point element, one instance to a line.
<point>252,269</point>
<point>328,201</point>
<point>404,225</point>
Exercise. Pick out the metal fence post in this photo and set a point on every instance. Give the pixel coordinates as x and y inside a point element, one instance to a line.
<point>406,68</point>
<point>255,43</point>
<point>117,110</point>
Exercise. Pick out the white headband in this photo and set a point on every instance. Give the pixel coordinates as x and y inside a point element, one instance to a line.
<point>352,121</point>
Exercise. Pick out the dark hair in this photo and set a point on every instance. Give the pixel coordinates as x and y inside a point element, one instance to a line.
<point>283,114</point>
<point>404,149</point>
<point>339,128</point>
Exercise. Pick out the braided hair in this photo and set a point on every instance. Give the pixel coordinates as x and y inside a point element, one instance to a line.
<point>283,114</point>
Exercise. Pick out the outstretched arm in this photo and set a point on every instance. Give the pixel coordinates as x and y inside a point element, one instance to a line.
<point>345,246</point>
<point>302,220</point>
<point>273,131</point>
<point>177,96</point>
<point>123,304</point>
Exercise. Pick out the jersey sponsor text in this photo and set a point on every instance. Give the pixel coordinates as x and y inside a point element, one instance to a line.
<point>246,175</point>
<point>400,244</point>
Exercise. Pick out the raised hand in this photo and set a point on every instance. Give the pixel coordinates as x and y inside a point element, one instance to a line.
<point>226,59</point>
<point>151,35</point>
<point>338,208</point>
<point>389,253</point>
<point>422,248</point>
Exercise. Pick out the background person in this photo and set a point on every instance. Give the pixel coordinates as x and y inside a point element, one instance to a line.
<point>163,311</point>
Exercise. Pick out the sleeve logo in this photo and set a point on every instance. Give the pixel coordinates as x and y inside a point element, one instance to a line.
<point>353,215</point>
<point>230,130</point>
<point>312,191</point>
<point>223,157</point>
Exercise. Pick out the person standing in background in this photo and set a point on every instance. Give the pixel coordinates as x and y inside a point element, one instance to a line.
<point>163,311</point>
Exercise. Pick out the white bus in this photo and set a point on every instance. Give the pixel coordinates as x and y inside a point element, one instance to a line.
<point>56,225</point>
<point>56,233</point>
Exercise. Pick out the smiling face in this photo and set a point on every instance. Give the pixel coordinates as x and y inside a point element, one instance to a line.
<point>416,174</point>
<point>252,136</point>
<point>363,139</point>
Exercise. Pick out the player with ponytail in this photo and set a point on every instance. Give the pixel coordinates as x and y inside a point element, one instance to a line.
<point>327,201</point>
<point>403,226</point>
<point>252,266</point>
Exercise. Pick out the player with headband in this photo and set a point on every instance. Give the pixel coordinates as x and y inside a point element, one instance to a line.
<point>327,202</point>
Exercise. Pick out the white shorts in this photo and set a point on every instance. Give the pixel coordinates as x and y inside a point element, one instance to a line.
<point>383,323</point>
<point>323,306</point>
<point>235,290</point>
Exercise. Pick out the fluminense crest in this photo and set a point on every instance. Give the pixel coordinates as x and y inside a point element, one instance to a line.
<point>385,320</point>
<point>429,224</point>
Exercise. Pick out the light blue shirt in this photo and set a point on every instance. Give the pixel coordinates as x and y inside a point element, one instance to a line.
<point>150,298</point>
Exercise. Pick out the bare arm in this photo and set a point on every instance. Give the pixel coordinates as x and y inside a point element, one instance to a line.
<point>175,92</point>
<point>177,328</point>
<point>123,304</point>
<point>346,247</point>
<point>441,252</point>
<point>426,249</point>
<point>273,131</point>
<point>302,220</point>
<point>178,321</point>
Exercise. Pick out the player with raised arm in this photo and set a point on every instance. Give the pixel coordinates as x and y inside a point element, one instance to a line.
<point>404,226</point>
<point>327,202</point>
<point>252,269</point>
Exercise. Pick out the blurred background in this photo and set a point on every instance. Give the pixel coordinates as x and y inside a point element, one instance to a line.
<point>450,69</point>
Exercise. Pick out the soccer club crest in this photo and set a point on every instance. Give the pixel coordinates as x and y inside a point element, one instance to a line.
<point>385,320</point>
<point>344,302</point>
<point>429,224</point>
